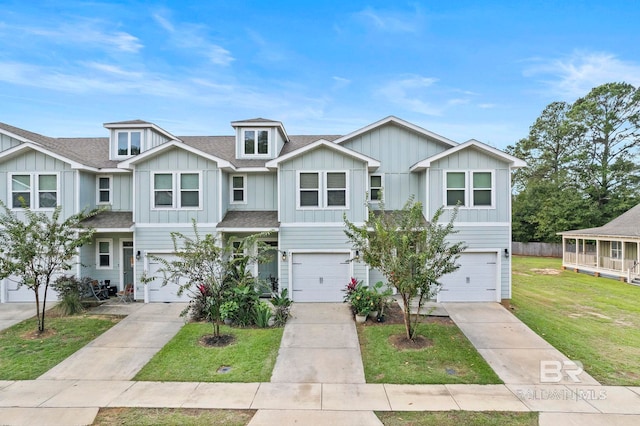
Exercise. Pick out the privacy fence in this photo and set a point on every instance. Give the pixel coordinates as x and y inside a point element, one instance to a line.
<point>537,249</point>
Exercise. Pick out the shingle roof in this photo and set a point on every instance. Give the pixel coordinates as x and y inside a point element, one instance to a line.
<point>128,122</point>
<point>110,220</point>
<point>250,219</point>
<point>625,225</point>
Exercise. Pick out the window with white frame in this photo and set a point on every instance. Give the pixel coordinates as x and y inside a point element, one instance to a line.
<point>469,189</point>
<point>104,189</point>
<point>616,249</point>
<point>322,190</point>
<point>256,142</point>
<point>375,188</point>
<point>129,143</point>
<point>186,196</point>
<point>34,190</point>
<point>104,253</point>
<point>238,189</point>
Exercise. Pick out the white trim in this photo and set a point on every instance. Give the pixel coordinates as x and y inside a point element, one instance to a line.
<point>372,163</point>
<point>292,252</point>
<point>163,226</point>
<point>98,190</point>
<point>468,189</point>
<point>17,150</point>
<point>269,124</point>
<point>122,260</point>
<point>34,190</point>
<point>369,188</point>
<point>220,175</point>
<point>255,155</point>
<point>129,132</point>
<point>510,159</point>
<point>399,122</point>
<point>323,190</point>
<point>317,224</point>
<point>176,191</point>
<point>252,230</point>
<point>142,126</point>
<point>109,253</point>
<point>252,169</point>
<point>498,281</point>
<point>113,230</point>
<point>244,189</point>
<point>129,163</point>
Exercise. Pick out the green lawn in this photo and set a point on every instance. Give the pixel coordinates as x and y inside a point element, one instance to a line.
<point>251,357</point>
<point>451,358</point>
<point>171,417</point>
<point>457,418</point>
<point>24,356</point>
<point>592,320</point>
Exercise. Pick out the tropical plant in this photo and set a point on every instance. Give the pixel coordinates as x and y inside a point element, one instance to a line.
<point>282,305</point>
<point>361,298</point>
<point>263,314</point>
<point>229,309</point>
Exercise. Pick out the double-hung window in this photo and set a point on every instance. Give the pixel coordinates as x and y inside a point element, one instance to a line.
<point>104,189</point>
<point>616,249</point>
<point>256,142</point>
<point>238,189</point>
<point>104,253</point>
<point>176,190</point>
<point>129,143</point>
<point>375,188</point>
<point>473,189</point>
<point>327,190</point>
<point>34,190</point>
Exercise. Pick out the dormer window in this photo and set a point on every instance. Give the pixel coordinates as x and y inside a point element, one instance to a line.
<point>256,142</point>
<point>129,143</point>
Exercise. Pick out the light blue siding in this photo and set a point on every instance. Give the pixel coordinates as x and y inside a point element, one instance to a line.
<point>261,192</point>
<point>87,191</point>
<point>122,197</point>
<point>176,160</point>
<point>323,159</point>
<point>7,142</point>
<point>88,258</point>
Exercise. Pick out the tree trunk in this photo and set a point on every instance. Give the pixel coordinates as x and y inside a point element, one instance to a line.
<point>407,316</point>
<point>38,316</point>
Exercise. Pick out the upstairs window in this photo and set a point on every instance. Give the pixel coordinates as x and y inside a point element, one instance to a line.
<point>187,196</point>
<point>469,189</point>
<point>326,190</point>
<point>375,188</point>
<point>34,190</point>
<point>129,143</point>
<point>238,189</point>
<point>104,189</point>
<point>256,142</point>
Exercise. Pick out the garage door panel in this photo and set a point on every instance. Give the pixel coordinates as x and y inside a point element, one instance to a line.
<point>168,292</point>
<point>21,293</point>
<point>319,277</point>
<point>474,281</point>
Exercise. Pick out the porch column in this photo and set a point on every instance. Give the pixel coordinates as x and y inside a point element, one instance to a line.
<point>623,257</point>
<point>577,250</point>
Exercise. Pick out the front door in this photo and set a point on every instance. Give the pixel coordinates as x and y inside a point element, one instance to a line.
<point>127,264</point>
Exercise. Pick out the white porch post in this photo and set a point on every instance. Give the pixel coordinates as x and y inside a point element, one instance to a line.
<point>623,258</point>
<point>597,253</point>
<point>577,250</point>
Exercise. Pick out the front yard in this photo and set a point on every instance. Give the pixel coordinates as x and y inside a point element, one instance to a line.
<point>592,320</point>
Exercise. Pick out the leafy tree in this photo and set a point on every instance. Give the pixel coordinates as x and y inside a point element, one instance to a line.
<point>211,266</point>
<point>411,254</point>
<point>39,247</point>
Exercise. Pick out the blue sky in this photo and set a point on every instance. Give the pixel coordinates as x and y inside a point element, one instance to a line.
<point>463,69</point>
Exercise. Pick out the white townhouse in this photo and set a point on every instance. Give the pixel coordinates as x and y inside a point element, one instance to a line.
<point>260,178</point>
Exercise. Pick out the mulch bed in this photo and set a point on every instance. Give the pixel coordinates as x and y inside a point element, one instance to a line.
<point>395,315</point>
<point>209,340</point>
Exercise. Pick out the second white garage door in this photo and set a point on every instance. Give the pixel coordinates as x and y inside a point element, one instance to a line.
<point>319,277</point>
<point>158,292</point>
<point>475,281</point>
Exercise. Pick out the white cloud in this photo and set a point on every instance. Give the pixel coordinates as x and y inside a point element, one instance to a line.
<point>340,82</point>
<point>408,93</point>
<point>486,106</point>
<point>574,76</point>
<point>391,21</point>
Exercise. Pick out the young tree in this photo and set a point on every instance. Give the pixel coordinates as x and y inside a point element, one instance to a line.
<point>412,254</point>
<point>38,247</point>
<point>213,266</point>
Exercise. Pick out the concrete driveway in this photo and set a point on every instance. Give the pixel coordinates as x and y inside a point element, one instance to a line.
<point>512,349</point>
<point>13,313</point>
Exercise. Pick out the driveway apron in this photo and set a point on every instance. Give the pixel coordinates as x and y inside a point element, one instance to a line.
<point>122,351</point>
<point>319,345</point>
<point>13,313</point>
<point>513,350</point>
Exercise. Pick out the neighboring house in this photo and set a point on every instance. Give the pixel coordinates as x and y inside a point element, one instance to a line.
<point>298,188</point>
<point>612,249</point>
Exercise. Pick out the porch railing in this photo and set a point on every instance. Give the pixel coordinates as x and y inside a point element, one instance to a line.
<point>634,271</point>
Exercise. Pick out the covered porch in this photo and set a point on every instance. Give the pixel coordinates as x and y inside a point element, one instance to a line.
<point>610,250</point>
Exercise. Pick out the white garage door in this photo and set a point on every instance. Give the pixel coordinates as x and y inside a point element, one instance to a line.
<point>21,293</point>
<point>474,281</point>
<point>319,277</point>
<point>159,292</point>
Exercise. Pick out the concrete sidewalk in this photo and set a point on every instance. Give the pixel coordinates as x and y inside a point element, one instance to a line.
<point>511,348</point>
<point>122,351</point>
<point>40,401</point>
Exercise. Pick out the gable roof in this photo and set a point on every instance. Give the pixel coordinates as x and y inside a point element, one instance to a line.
<point>514,162</point>
<point>138,124</point>
<point>399,122</point>
<point>371,162</point>
<point>30,146</point>
<point>262,122</point>
<point>126,164</point>
<point>625,225</point>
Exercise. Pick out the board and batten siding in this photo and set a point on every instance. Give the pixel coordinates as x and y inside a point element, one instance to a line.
<point>397,149</point>
<point>88,257</point>
<point>87,190</point>
<point>479,238</point>
<point>321,160</point>
<point>469,160</point>
<point>176,160</point>
<point>261,193</point>
<point>37,162</point>
<point>7,142</point>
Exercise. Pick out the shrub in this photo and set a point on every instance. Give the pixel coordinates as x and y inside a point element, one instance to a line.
<point>199,306</point>
<point>263,314</point>
<point>229,309</point>
<point>69,289</point>
<point>282,306</point>
<point>247,297</point>
<point>362,299</point>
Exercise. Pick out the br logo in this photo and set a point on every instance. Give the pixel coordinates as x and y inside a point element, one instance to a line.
<point>554,371</point>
